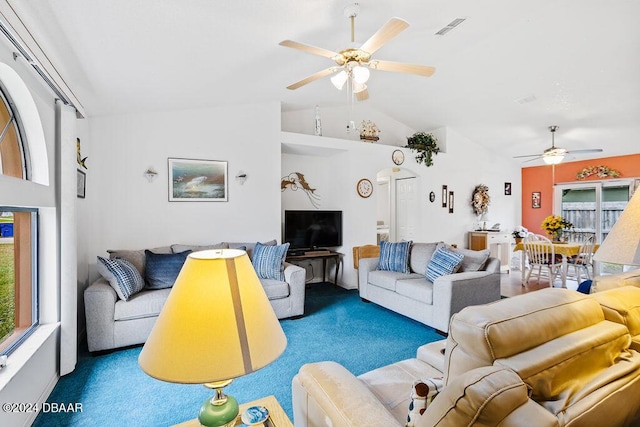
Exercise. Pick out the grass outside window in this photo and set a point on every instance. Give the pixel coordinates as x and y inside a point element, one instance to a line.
<point>7,290</point>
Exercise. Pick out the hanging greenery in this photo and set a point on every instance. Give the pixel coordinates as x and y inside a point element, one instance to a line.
<point>425,145</point>
<point>480,199</point>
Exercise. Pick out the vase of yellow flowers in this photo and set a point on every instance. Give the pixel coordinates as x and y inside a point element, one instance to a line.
<point>555,225</point>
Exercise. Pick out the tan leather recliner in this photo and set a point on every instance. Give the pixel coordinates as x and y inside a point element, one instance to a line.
<point>547,358</point>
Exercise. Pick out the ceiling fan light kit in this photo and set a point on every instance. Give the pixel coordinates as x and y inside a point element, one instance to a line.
<point>552,159</point>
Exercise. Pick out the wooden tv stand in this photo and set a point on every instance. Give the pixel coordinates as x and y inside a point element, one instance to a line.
<point>324,255</point>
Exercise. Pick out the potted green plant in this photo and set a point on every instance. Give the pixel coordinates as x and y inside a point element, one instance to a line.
<point>425,145</point>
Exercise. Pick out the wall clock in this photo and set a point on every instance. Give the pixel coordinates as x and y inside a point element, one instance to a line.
<point>364,188</point>
<point>398,157</point>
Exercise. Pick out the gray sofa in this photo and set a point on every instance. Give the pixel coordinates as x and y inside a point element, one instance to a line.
<point>412,295</point>
<point>113,322</point>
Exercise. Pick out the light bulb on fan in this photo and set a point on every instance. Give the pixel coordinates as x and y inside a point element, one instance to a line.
<point>360,74</point>
<point>339,79</point>
<point>553,159</point>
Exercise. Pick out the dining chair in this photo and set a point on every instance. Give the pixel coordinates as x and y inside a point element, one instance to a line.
<point>584,259</point>
<point>541,254</point>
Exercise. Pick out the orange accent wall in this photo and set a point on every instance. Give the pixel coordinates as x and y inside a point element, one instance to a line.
<point>542,179</point>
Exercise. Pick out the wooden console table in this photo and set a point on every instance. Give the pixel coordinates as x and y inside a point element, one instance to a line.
<point>324,256</point>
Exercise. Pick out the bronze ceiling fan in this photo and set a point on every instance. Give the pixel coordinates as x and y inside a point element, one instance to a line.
<point>554,155</point>
<point>353,63</point>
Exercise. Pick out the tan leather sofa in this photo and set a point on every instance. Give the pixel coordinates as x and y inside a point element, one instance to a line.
<point>546,358</point>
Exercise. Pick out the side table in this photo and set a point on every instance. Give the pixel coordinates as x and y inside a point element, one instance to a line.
<point>277,416</point>
<point>323,255</point>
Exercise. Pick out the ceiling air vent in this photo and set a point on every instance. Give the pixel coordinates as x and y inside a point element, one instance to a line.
<point>450,26</point>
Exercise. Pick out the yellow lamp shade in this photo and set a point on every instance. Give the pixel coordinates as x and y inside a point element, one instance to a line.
<point>216,324</point>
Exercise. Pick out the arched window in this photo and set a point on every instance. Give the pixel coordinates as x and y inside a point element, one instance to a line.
<point>12,150</point>
<point>19,314</point>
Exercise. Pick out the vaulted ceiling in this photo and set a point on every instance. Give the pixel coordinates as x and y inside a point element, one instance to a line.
<point>510,70</point>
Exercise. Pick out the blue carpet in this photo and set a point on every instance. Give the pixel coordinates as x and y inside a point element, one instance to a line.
<point>337,326</point>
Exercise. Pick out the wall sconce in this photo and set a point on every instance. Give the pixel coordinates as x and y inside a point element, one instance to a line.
<point>150,174</point>
<point>241,177</point>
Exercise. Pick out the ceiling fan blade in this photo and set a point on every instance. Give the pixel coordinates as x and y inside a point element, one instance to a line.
<point>589,150</point>
<point>392,28</point>
<point>362,95</point>
<point>313,77</point>
<point>528,155</point>
<point>401,67</point>
<point>531,160</point>
<point>309,49</point>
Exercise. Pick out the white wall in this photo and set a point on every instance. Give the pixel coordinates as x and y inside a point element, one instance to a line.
<point>334,166</point>
<point>334,123</point>
<point>122,210</point>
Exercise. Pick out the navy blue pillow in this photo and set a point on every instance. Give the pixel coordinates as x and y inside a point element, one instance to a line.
<point>161,270</point>
<point>585,287</point>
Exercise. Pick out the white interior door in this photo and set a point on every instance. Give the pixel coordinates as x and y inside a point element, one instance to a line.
<point>406,208</point>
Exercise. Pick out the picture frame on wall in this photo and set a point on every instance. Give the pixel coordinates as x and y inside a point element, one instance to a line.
<point>445,196</point>
<point>535,200</point>
<point>507,188</point>
<point>81,184</point>
<point>450,201</point>
<point>193,180</point>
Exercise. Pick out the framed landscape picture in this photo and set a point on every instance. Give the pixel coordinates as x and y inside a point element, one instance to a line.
<point>198,180</point>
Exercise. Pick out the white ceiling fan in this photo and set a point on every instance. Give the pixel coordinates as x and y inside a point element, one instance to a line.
<point>353,63</point>
<point>554,155</point>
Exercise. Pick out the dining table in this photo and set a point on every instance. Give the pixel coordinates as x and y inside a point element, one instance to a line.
<point>565,250</point>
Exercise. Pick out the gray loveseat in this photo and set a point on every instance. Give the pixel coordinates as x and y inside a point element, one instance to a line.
<point>113,322</point>
<point>411,294</point>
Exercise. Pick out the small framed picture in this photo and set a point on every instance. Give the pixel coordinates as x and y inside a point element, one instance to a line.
<point>445,195</point>
<point>507,188</point>
<point>535,200</point>
<point>197,180</point>
<point>81,184</point>
<point>450,201</point>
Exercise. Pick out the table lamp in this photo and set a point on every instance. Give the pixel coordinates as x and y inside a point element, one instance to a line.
<point>217,324</point>
<point>622,244</point>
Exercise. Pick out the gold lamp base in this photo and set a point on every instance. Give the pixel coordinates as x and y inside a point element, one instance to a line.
<point>221,410</point>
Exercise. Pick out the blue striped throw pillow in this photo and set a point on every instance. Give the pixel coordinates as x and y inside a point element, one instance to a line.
<point>123,277</point>
<point>443,262</point>
<point>394,256</point>
<point>268,261</point>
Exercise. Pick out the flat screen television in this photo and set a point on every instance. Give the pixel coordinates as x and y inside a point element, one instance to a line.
<point>312,229</point>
